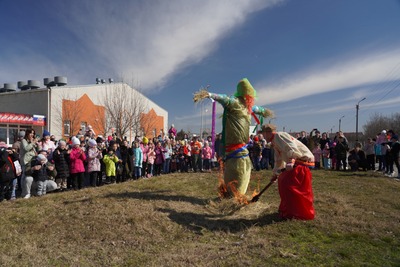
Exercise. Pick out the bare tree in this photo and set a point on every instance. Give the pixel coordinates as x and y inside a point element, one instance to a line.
<point>124,108</point>
<point>103,122</point>
<point>378,122</point>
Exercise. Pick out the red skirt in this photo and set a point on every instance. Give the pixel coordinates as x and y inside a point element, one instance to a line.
<point>296,194</point>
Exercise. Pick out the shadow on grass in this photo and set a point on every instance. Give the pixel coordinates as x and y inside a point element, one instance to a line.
<point>199,222</point>
<point>158,195</point>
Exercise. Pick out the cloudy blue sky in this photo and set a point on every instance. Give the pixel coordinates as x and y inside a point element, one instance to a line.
<point>310,61</point>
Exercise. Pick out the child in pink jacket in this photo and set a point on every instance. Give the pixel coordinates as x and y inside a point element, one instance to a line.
<point>317,156</point>
<point>94,166</point>
<point>206,154</point>
<point>77,158</point>
<point>151,156</point>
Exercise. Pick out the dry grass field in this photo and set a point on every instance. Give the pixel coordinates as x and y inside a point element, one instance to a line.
<point>177,220</point>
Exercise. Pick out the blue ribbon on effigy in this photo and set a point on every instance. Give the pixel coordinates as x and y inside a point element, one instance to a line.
<point>234,153</point>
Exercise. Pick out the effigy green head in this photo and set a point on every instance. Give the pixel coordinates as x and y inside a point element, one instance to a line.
<point>245,89</point>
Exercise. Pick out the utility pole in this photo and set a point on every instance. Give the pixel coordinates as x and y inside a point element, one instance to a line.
<point>340,121</point>
<point>357,108</point>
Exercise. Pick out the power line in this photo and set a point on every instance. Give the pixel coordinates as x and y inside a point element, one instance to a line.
<point>391,80</point>
<point>384,96</point>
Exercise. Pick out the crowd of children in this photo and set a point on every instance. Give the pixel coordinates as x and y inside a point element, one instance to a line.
<point>87,160</point>
<point>34,166</point>
<point>380,153</point>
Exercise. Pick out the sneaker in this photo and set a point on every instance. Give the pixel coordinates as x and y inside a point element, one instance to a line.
<point>27,196</point>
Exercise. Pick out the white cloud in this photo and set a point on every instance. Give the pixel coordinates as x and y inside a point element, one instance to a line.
<point>346,73</point>
<point>152,40</point>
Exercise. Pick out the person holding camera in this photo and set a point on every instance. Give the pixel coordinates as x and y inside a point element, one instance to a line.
<point>27,153</point>
<point>42,171</point>
<point>314,139</point>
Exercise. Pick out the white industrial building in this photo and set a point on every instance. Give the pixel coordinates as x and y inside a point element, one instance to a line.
<point>43,107</point>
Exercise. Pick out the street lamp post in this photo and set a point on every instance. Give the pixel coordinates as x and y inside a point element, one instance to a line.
<point>201,128</point>
<point>357,108</point>
<point>202,106</point>
<point>340,122</point>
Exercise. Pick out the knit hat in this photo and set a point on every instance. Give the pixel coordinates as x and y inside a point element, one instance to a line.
<point>244,88</point>
<point>92,143</point>
<point>21,134</point>
<point>383,131</point>
<point>75,141</point>
<point>41,157</point>
<point>46,133</point>
<point>62,143</point>
<point>145,140</point>
<point>43,151</point>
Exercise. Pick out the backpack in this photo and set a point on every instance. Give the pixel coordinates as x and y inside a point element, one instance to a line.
<point>7,169</point>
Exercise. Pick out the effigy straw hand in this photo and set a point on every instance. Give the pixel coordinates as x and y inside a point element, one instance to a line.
<point>200,95</point>
<point>267,113</point>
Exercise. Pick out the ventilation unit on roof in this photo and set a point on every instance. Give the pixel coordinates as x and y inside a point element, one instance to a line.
<point>21,84</point>
<point>60,80</point>
<point>9,87</point>
<point>48,82</point>
<point>110,80</point>
<point>103,81</point>
<point>98,80</point>
<point>33,84</point>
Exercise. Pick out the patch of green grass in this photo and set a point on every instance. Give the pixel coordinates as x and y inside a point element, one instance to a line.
<point>177,220</point>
